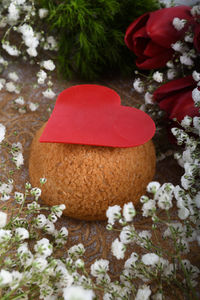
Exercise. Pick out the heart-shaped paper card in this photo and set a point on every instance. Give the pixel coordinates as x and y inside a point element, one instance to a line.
<point>93,115</point>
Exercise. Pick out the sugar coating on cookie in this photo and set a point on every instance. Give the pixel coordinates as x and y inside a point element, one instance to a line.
<point>89,179</point>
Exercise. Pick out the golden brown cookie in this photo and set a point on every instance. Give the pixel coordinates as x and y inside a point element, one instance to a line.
<point>89,179</point>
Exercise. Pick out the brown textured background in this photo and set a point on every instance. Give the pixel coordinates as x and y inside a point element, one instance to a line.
<point>93,235</point>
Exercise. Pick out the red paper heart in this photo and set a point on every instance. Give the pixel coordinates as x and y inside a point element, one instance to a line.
<point>92,115</point>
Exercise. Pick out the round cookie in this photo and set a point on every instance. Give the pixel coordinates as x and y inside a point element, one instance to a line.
<point>89,179</point>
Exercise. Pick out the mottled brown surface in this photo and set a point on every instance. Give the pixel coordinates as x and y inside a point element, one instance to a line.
<point>89,179</point>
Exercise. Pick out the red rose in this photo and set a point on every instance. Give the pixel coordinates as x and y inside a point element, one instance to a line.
<point>151,35</point>
<point>175,97</point>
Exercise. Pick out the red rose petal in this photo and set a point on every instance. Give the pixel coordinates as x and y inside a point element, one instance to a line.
<point>160,28</point>
<point>155,62</point>
<point>92,115</point>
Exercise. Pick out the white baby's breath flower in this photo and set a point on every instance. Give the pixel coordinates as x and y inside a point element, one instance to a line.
<point>150,259</point>
<point>186,122</point>
<point>185,59</point>
<point>41,75</point>
<point>196,76</point>
<point>130,262</point>
<point>179,23</point>
<point>113,213</point>
<point>19,101</point>
<point>196,96</point>
<point>21,233</point>
<point>49,227</point>
<point>118,249</point>
<point>2,132</point>
<point>19,197</point>
<point>129,212</point>
<point>79,263</point>
<point>138,85</point>
<point>32,52</point>
<point>43,13</point>
<point>99,267</point>
<point>40,221</point>
<point>48,65</point>
<point>39,264</point>
<point>189,37</point>
<point>58,209</point>
<point>5,277</point>
<point>43,248</point>
<point>12,50</point>
<point>153,187</point>
<point>5,235</point>
<point>3,219</point>
<point>36,192</point>
<point>195,10</point>
<point>149,208</point>
<point>158,76</point>
<point>13,76</point>
<point>76,251</point>
<point>18,159</point>
<point>13,13</point>
<point>127,235</point>
<point>33,106</point>
<point>171,74</point>
<point>148,97</point>
<point>49,93</point>
<point>144,237</point>
<point>77,293</point>
<point>11,87</point>
<point>183,213</point>
<point>143,293</point>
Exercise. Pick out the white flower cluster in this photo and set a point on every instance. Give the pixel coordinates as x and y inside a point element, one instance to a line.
<point>17,155</point>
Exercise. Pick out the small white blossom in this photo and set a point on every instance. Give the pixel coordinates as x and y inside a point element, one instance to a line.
<point>11,87</point>
<point>43,13</point>
<point>12,50</point>
<point>129,212</point>
<point>19,101</point>
<point>143,293</point>
<point>40,221</point>
<point>2,132</point>
<point>150,259</point>
<point>185,59</point>
<point>130,262</point>
<point>171,74</point>
<point>5,277</point>
<point>158,76</point>
<point>49,227</point>
<point>36,192</point>
<point>32,52</point>
<point>21,233</point>
<point>118,249</point>
<point>19,197</point>
<point>196,95</point>
<point>48,65</point>
<point>13,13</point>
<point>178,23</point>
<point>33,106</point>
<point>5,235</point>
<point>48,94</point>
<point>196,76</point>
<point>127,235</point>
<point>148,208</point>
<point>113,213</point>
<point>18,159</point>
<point>189,37</point>
<point>186,122</point>
<point>76,251</point>
<point>99,267</point>
<point>3,219</point>
<point>138,85</point>
<point>183,213</point>
<point>148,98</point>
<point>42,76</point>
<point>153,187</point>
<point>144,237</point>
<point>39,264</point>
<point>195,10</point>
<point>13,76</point>
<point>77,293</point>
<point>43,248</point>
